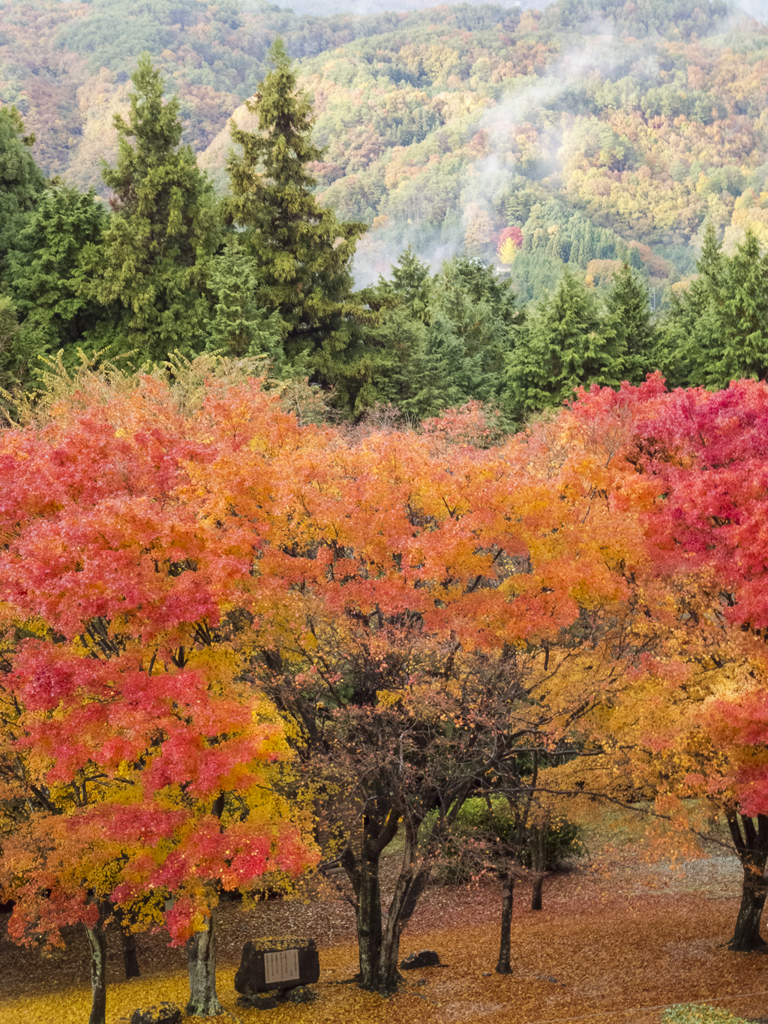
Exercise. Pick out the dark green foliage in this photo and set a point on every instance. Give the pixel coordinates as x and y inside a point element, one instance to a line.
<point>743,308</point>
<point>410,286</point>
<point>566,343</point>
<point>718,330</point>
<point>152,265</point>
<point>486,838</point>
<point>302,252</point>
<point>45,269</point>
<point>237,327</point>
<point>440,342</point>
<point>20,352</point>
<point>21,182</point>
<point>629,317</point>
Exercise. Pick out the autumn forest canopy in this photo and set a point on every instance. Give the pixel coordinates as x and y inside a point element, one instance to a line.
<point>384,452</point>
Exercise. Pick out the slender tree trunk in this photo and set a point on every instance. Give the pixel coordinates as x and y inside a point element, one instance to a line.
<point>130,955</point>
<point>538,885</point>
<point>746,936</point>
<point>538,864</point>
<point>504,965</point>
<point>201,961</point>
<point>97,940</point>
<point>369,928</point>
<point>411,883</point>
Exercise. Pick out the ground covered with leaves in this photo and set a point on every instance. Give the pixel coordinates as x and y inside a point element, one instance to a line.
<point>619,939</point>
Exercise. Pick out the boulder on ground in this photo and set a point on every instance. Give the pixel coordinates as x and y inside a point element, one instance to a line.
<point>426,958</point>
<point>302,994</point>
<point>259,1002</point>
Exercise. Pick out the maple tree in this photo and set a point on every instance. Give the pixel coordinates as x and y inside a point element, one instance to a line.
<point>137,759</point>
<point>448,610</point>
<point>701,458</point>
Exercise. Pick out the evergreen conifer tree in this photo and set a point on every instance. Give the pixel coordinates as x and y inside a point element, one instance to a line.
<point>20,350</point>
<point>237,327</point>
<point>410,285</point>
<point>155,255</point>
<point>629,317</point>
<point>565,344</point>
<point>302,252</point>
<point>45,270</point>
<point>21,182</point>
<point>744,317</point>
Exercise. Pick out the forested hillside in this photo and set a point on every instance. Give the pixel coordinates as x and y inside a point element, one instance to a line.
<point>417,209</point>
<point>606,132</point>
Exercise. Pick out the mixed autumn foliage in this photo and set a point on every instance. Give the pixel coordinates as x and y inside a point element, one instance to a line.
<point>230,635</point>
<point>244,638</point>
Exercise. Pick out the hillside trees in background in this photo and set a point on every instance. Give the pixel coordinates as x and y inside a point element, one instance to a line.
<point>302,252</point>
<point>152,265</point>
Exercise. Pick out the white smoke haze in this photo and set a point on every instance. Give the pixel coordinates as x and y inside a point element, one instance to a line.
<point>757,9</point>
<point>361,8</point>
<point>486,178</point>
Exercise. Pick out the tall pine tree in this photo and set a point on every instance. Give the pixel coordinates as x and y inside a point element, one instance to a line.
<point>302,252</point>
<point>565,344</point>
<point>155,256</point>
<point>629,317</point>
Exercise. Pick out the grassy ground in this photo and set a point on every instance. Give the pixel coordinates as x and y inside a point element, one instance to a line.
<point>619,939</point>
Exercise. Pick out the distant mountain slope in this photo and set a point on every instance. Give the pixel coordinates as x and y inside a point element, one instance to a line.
<point>66,65</point>
<point>603,130</point>
<point>597,136</point>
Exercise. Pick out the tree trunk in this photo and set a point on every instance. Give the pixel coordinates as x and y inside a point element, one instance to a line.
<point>379,947</point>
<point>130,956</point>
<point>128,940</point>
<point>746,936</point>
<point>369,930</point>
<point>538,864</point>
<point>97,940</point>
<point>538,885</point>
<point>752,847</point>
<point>201,960</point>
<point>411,883</point>
<point>504,966</point>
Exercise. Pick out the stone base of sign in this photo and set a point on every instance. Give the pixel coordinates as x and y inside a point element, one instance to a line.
<point>302,994</point>
<point>426,958</point>
<point>277,965</point>
<point>163,1013</point>
<point>259,1002</point>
